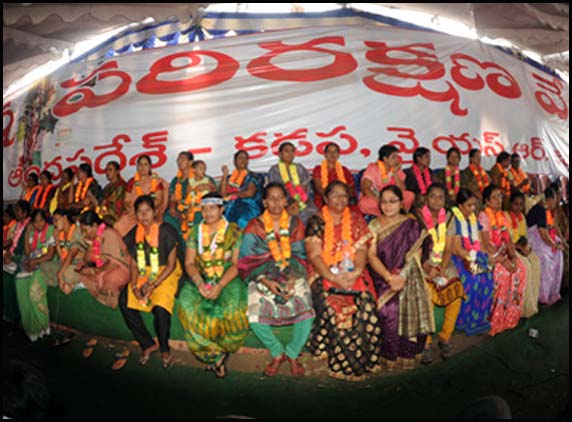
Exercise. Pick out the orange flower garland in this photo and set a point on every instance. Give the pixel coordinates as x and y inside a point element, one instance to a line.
<point>480,176</point>
<point>519,175</point>
<point>504,184</point>
<point>324,173</point>
<point>211,250</point>
<point>333,253</point>
<point>281,253</point>
<point>42,196</point>
<point>64,241</point>
<point>82,189</point>
<point>383,171</point>
<point>496,219</point>
<point>30,192</point>
<point>237,178</point>
<point>154,184</point>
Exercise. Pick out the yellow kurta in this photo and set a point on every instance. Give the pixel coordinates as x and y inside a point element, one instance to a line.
<point>163,295</point>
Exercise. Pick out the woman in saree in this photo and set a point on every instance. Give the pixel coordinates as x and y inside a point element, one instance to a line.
<point>13,252</point>
<point>63,196</point>
<point>450,176</point>
<point>46,192</point>
<point>145,182</point>
<point>419,176</point>
<point>472,264</point>
<point>545,243</point>
<point>31,189</point>
<point>241,191</point>
<point>330,170</point>
<point>112,199</point>
<point>272,262</point>
<point>517,228</point>
<point>384,172</point>
<point>509,272</point>
<point>87,192</point>
<point>105,268</point>
<point>404,305</point>
<point>154,251</point>
<point>438,268</point>
<point>346,331</point>
<point>296,180</point>
<point>182,202</point>
<point>213,306</point>
<point>31,288</point>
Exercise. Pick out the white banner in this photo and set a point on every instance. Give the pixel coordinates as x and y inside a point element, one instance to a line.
<point>361,87</point>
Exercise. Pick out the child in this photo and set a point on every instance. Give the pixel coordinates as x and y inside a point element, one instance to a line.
<point>201,183</point>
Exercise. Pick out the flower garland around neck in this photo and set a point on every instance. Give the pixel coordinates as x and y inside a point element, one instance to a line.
<point>480,176</point>
<point>8,227</point>
<point>20,226</point>
<point>324,173</point>
<point>385,175</point>
<point>504,183</point>
<point>519,176</point>
<point>65,241</point>
<point>469,231</point>
<point>96,246</point>
<point>333,251</point>
<point>189,205</point>
<point>153,240</point>
<point>518,230</point>
<point>82,189</point>
<point>30,192</point>
<point>212,251</point>
<point>438,234</point>
<point>154,185</point>
<point>550,226</point>
<point>422,181</point>
<point>293,186</point>
<point>452,180</point>
<point>499,228</point>
<point>281,252</point>
<point>39,237</point>
<point>42,196</point>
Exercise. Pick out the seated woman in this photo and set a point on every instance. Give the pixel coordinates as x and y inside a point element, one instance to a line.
<point>296,180</point>
<point>330,170</point>
<point>213,306</point>
<point>182,203</point>
<point>548,246</point>
<point>472,264</point>
<point>87,192</point>
<point>272,262</point>
<point>450,176</point>
<point>404,308</point>
<point>517,228</point>
<point>439,271</point>
<point>63,197</point>
<point>156,250</point>
<point>46,192</point>
<point>31,289</point>
<point>337,241</point>
<point>145,182</point>
<point>385,171</point>
<point>31,189</point>
<point>13,251</point>
<point>112,199</point>
<point>105,267</point>
<point>419,176</point>
<point>509,272</point>
<point>70,248</point>
<point>242,192</point>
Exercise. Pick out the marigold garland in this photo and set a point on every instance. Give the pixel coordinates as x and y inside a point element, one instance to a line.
<point>96,246</point>
<point>439,234</point>
<point>65,241</point>
<point>481,176</point>
<point>82,189</point>
<point>153,240</point>
<point>42,196</point>
<point>30,192</point>
<point>504,183</point>
<point>280,252</point>
<point>519,176</point>
<point>154,184</point>
<point>385,175</point>
<point>324,173</point>
<point>39,235</point>
<point>334,249</point>
<point>293,186</point>
<point>211,250</point>
<point>452,180</point>
<point>499,229</point>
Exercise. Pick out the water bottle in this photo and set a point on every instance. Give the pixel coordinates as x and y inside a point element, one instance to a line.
<point>347,264</point>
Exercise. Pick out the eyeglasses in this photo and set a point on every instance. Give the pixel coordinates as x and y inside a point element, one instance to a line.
<point>389,201</point>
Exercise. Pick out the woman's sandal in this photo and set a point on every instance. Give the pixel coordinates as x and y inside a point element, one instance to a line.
<point>220,367</point>
<point>296,368</point>
<point>88,349</point>
<point>168,360</point>
<point>273,366</point>
<point>120,359</point>
<point>146,355</point>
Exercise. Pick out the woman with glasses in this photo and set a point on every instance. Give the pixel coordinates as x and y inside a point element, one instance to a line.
<point>405,311</point>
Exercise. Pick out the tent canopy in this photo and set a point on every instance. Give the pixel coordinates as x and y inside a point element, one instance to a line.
<point>36,33</point>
